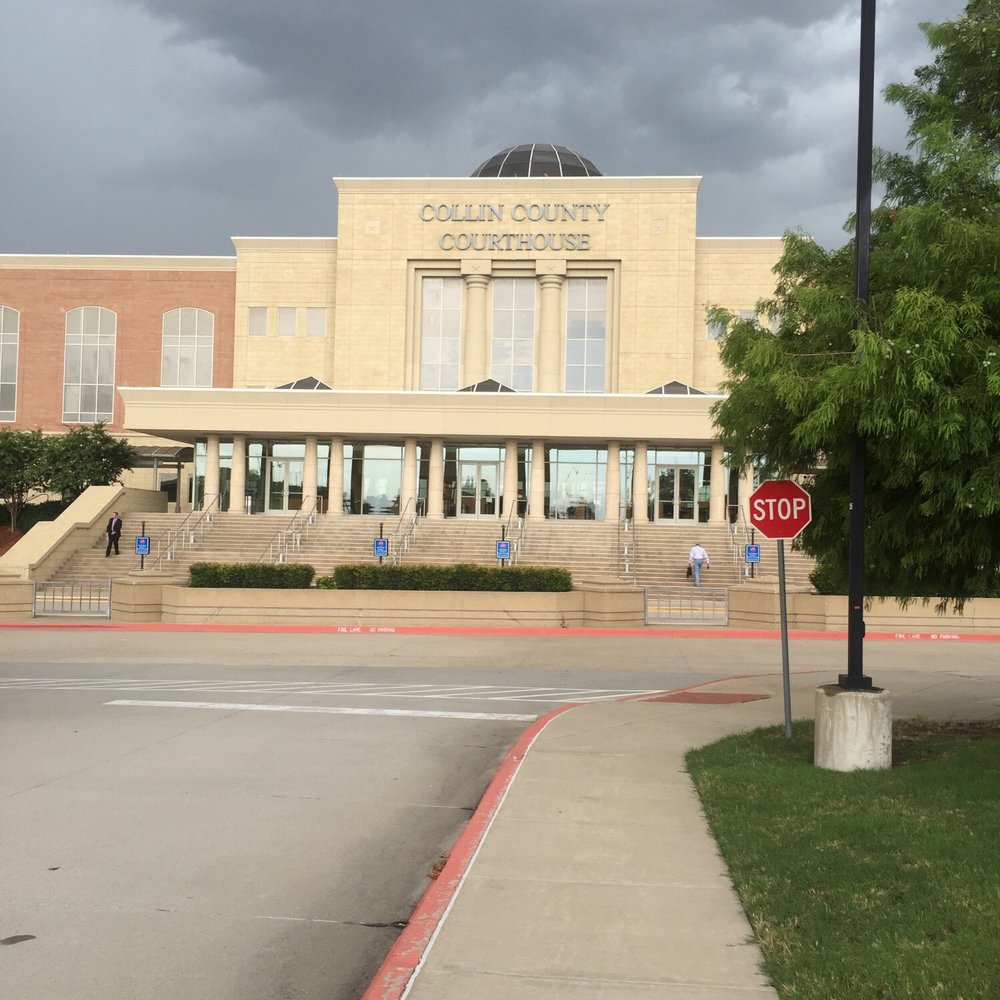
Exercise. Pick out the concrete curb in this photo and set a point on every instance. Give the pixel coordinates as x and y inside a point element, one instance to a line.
<point>651,633</point>
<point>408,952</point>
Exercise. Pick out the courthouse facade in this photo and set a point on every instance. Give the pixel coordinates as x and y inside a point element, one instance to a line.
<point>532,338</point>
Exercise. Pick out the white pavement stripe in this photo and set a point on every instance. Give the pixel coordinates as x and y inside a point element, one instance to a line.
<point>469,692</point>
<point>326,710</point>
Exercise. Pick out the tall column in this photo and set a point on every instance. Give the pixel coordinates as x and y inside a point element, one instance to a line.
<point>310,473</point>
<point>408,498</point>
<point>612,486</point>
<point>238,476</point>
<point>536,503</point>
<point>640,485</point>
<point>550,354</point>
<point>336,491</point>
<point>510,496</point>
<point>475,350</point>
<point>435,481</point>
<point>717,497</point>
<point>211,472</point>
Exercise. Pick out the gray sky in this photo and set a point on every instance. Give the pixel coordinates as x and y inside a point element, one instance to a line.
<point>168,126</point>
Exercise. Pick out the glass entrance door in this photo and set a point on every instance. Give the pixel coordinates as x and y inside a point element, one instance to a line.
<point>479,482</point>
<point>675,493</point>
<point>284,484</point>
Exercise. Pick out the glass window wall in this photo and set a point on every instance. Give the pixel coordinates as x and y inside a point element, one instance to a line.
<point>440,333</point>
<point>576,483</point>
<point>373,478</point>
<point>586,329</point>
<point>514,333</point>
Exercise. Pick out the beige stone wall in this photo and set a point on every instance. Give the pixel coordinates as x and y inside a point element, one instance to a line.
<point>645,243</point>
<point>734,274</point>
<point>582,608</point>
<point>639,232</point>
<point>292,273</point>
<point>755,606</point>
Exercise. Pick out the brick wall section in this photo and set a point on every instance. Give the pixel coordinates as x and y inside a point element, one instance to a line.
<point>138,296</point>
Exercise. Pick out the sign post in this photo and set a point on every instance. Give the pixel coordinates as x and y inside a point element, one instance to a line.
<point>781,509</point>
<point>380,545</point>
<point>142,546</point>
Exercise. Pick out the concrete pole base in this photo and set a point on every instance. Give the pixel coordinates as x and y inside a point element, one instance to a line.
<point>853,729</point>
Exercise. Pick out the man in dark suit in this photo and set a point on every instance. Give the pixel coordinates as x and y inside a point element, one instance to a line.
<point>114,532</point>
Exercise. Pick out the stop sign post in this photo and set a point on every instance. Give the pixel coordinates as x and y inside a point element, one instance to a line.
<point>781,509</point>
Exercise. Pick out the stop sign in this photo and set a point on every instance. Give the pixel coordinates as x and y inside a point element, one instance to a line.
<point>780,508</point>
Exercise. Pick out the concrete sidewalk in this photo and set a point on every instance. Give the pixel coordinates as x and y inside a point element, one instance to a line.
<point>592,873</point>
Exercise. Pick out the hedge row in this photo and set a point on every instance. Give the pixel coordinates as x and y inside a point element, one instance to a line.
<point>266,576</point>
<point>460,576</point>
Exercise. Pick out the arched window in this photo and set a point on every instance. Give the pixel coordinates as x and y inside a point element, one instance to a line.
<point>10,325</point>
<point>188,338</point>
<point>89,372</point>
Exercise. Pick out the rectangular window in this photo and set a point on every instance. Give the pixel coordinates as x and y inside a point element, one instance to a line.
<point>89,365</point>
<point>286,321</point>
<point>440,333</point>
<point>10,324</point>
<point>315,322</point>
<point>188,340</point>
<point>513,351</point>
<point>715,330</point>
<point>586,333</point>
<point>257,321</point>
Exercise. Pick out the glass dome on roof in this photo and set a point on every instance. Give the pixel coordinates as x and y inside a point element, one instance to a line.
<point>537,159</point>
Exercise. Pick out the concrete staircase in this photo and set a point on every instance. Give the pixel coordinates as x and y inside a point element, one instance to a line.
<point>657,554</point>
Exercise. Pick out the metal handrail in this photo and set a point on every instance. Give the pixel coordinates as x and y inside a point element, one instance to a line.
<point>626,526</point>
<point>184,535</point>
<point>515,539</point>
<point>406,530</point>
<point>302,521</point>
<point>740,535</point>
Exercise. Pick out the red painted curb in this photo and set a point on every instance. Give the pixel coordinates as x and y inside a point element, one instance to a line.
<point>406,954</point>
<point>647,633</point>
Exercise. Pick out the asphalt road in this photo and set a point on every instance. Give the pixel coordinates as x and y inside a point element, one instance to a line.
<point>192,815</point>
<point>239,815</point>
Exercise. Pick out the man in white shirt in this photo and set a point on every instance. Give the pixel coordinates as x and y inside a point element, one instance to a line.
<point>698,560</point>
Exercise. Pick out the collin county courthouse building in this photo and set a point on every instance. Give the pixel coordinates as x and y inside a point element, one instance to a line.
<point>533,334</point>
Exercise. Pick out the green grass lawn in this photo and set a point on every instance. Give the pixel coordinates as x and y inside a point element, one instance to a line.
<point>868,884</point>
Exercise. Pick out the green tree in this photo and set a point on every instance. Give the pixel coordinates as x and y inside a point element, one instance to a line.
<point>918,374</point>
<point>87,456</point>
<point>24,470</point>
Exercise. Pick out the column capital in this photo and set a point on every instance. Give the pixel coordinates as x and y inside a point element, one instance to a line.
<point>551,280</point>
<point>476,280</point>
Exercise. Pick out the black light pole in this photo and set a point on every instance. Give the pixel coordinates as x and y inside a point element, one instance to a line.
<point>855,678</point>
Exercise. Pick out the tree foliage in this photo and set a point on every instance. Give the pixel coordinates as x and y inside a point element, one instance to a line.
<point>88,456</point>
<point>917,374</point>
<point>34,465</point>
<point>24,471</point>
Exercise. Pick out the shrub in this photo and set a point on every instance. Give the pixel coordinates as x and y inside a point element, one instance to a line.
<point>460,576</point>
<point>265,576</point>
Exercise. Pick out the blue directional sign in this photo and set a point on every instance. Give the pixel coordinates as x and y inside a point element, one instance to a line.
<point>381,547</point>
<point>503,550</point>
<point>142,545</point>
<point>753,554</point>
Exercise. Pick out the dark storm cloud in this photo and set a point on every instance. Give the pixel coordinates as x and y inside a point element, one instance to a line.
<point>169,125</point>
<point>360,70</point>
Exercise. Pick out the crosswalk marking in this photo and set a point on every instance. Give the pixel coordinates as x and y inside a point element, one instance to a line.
<point>360,689</point>
<point>327,710</point>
